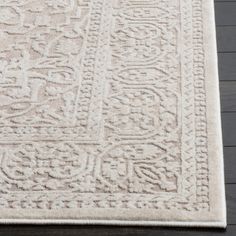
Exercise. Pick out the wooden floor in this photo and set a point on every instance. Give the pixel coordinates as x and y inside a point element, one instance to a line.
<point>226,34</point>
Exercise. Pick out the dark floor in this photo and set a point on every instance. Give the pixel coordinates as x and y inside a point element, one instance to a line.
<point>226,34</point>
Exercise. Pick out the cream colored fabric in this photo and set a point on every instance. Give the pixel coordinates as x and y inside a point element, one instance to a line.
<point>109,113</point>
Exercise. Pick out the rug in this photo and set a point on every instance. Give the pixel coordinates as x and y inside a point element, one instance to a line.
<point>109,113</point>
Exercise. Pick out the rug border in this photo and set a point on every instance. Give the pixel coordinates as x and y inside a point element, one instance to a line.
<point>217,224</point>
<point>212,57</point>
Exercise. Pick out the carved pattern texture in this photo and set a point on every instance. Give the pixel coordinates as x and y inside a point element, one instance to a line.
<point>97,105</point>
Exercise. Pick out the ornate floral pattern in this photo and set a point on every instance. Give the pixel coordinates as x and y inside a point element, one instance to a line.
<point>96,105</point>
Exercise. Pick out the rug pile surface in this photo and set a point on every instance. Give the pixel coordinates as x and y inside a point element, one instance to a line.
<point>109,113</point>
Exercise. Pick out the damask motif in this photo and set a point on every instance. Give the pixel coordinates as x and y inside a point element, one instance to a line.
<point>97,106</point>
<point>142,111</point>
<point>46,167</point>
<point>138,168</point>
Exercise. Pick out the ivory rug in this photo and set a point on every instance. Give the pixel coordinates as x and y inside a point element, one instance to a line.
<point>109,113</point>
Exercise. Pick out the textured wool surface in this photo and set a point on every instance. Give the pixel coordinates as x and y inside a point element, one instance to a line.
<point>109,113</point>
